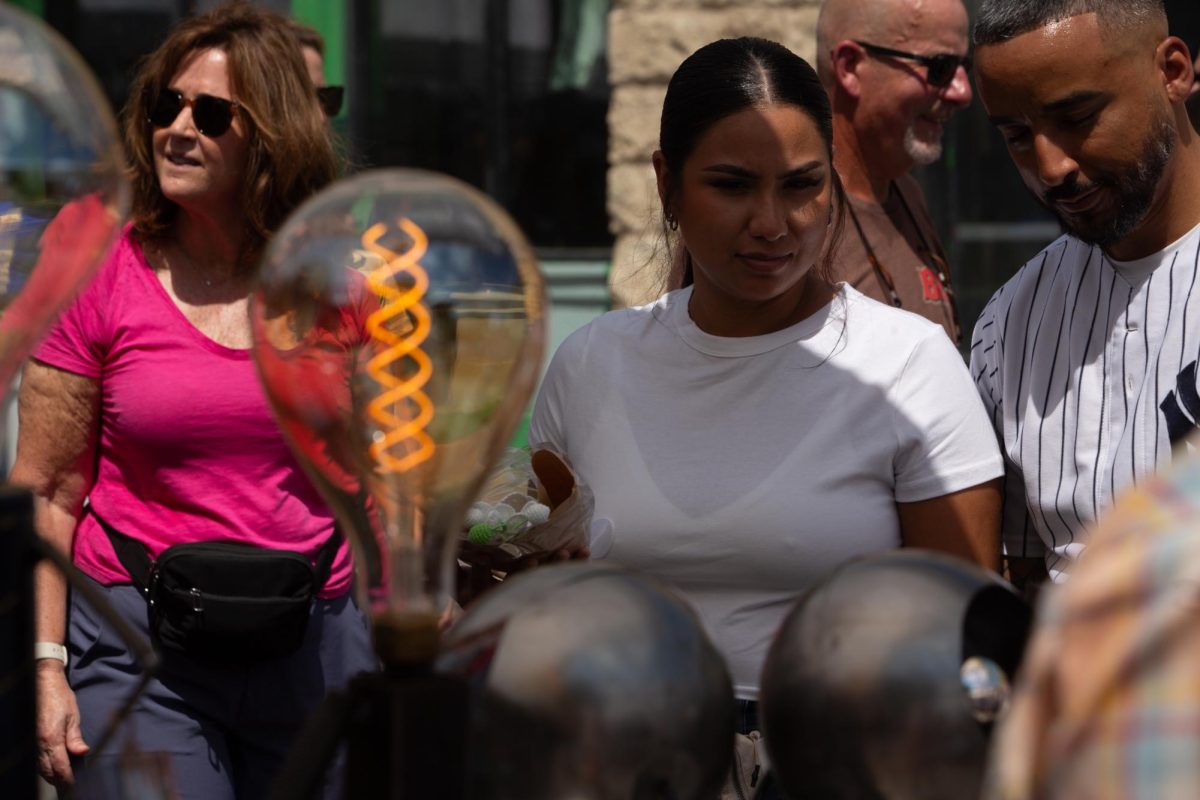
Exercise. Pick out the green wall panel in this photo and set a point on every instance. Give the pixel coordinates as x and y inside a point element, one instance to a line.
<point>32,6</point>
<point>328,17</point>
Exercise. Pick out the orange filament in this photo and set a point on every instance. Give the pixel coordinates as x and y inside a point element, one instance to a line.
<point>404,443</point>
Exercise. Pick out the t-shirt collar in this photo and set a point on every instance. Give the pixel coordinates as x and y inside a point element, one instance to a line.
<point>671,310</point>
<point>1139,269</point>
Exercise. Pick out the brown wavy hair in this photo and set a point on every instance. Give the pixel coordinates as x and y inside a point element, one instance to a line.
<point>290,153</point>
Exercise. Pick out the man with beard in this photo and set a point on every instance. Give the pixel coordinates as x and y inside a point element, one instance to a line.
<point>1087,357</point>
<point>895,71</point>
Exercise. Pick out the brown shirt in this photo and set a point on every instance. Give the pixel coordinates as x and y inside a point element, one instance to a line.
<point>901,234</point>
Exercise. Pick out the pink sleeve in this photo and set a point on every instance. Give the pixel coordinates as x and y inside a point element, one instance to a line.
<point>78,341</point>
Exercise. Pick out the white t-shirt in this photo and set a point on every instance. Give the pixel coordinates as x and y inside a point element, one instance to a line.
<point>741,469</point>
<point>1088,369</point>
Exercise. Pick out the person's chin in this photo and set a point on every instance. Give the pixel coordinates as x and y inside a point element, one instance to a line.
<point>192,198</point>
<point>1087,230</point>
<point>1094,225</point>
<point>178,193</point>
<point>925,147</point>
<point>766,288</point>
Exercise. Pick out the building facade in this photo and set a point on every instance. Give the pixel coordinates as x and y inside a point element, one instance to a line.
<point>647,41</point>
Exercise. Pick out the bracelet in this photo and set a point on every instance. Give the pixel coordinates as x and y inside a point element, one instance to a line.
<point>44,650</point>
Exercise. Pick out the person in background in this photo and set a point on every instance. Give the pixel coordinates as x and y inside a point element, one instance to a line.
<point>1087,358</point>
<point>143,427</point>
<point>748,432</point>
<point>312,46</point>
<point>895,71</point>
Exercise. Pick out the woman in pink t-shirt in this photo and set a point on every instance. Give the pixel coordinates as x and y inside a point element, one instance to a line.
<point>144,402</point>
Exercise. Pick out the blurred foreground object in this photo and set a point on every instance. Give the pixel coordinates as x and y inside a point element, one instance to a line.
<point>399,323</point>
<point>63,199</point>
<point>63,194</point>
<point>1108,705</point>
<point>399,326</point>
<point>591,683</point>
<point>18,739</point>
<point>884,680</point>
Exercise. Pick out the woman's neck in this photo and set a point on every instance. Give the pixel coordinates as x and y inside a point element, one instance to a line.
<point>718,314</point>
<point>209,245</point>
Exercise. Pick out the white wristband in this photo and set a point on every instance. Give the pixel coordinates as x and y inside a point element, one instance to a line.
<point>43,650</point>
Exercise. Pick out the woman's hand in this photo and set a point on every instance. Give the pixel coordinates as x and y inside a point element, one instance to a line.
<point>964,524</point>
<point>59,736</point>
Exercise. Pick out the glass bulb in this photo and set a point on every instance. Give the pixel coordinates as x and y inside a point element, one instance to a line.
<point>63,194</point>
<point>399,325</point>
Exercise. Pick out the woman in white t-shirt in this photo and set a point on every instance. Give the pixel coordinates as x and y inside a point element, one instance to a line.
<point>747,433</point>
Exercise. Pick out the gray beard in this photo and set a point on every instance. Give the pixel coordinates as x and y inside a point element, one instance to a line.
<point>922,153</point>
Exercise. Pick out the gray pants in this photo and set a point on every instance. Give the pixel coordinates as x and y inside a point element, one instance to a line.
<point>216,734</point>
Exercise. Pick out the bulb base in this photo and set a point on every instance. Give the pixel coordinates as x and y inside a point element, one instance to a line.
<point>406,638</point>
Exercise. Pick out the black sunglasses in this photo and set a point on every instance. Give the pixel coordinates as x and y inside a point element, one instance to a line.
<point>212,116</point>
<point>330,98</point>
<point>940,69</point>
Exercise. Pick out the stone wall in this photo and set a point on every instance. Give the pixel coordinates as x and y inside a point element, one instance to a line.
<point>647,40</point>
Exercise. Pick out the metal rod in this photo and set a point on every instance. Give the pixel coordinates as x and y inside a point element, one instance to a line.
<point>18,713</point>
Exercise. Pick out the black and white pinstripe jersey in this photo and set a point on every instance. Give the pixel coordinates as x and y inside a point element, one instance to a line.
<point>1088,369</point>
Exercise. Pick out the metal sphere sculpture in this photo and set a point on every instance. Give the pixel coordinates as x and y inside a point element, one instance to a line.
<point>885,679</point>
<point>593,684</point>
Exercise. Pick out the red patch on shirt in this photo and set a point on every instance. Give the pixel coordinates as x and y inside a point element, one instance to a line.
<point>931,286</point>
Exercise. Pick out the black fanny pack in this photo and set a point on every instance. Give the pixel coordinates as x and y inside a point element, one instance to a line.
<point>222,602</point>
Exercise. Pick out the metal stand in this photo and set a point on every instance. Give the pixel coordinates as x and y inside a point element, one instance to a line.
<point>405,736</point>
<point>409,738</point>
<point>18,715</point>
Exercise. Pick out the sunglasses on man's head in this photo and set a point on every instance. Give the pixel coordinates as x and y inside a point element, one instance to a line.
<point>212,116</point>
<point>940,69</point>
<point>330,98</point>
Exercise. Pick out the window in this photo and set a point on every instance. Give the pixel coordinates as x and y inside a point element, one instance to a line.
<point>508,95</point>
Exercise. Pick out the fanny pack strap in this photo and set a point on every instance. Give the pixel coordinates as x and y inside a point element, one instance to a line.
<point>133,557</point>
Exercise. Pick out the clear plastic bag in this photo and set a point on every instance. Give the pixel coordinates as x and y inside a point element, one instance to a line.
<point>505,525</point>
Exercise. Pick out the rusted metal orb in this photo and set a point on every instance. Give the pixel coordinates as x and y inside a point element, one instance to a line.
<point>885,678</point>
<point>593,684</point>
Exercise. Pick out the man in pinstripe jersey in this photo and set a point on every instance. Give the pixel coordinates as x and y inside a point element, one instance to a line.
<point>1086,358</point>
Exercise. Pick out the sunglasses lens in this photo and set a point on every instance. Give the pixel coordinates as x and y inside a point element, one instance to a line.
<point>943,68</point>
<point>330,98</point>
<point>212,115</point>
<point>165,108</point>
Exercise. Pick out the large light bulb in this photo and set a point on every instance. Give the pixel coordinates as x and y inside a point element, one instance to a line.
<point>399,329</point>
<point>63,196</point>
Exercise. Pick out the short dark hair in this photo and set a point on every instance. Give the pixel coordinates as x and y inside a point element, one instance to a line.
<point>1001,20</point>
<point>729,76</point>
<point>290,153</point>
